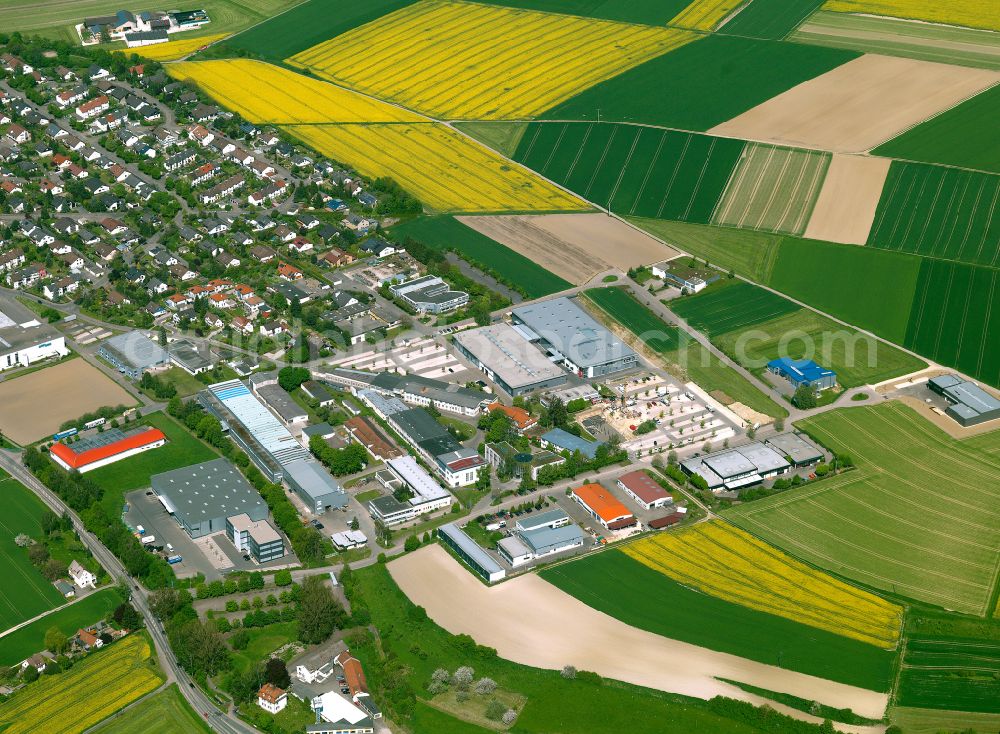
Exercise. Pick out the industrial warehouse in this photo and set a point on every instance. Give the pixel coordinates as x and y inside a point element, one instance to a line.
<point>970,405</point>
<point>24,340</point>
<point>105,448</point>
<point>509,359</point>
<point>414,389</point>
<point>133,353</point>
<point>752,463</point>
<point>414,492</point>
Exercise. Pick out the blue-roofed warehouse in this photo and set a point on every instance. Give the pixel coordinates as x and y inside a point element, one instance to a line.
<point>803,372</point>
<point>561,440</point>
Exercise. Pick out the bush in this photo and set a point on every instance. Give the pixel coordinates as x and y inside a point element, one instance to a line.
<point>485,686</point>
<point>283,578</point>
<point>568,672</point>
<point>495,710</point>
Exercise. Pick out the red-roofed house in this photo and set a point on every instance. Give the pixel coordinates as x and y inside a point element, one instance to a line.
<point>99,456</point>
<point>271,698</point>
<point>523,420</point>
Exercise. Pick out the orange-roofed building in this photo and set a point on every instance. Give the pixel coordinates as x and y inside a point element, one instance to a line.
<point>354,674</point>
<point>271,698</point>
<point>603,506</point>
<point>523,420</point>
<point>91,456</point>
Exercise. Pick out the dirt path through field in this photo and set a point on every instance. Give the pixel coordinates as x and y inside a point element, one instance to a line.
<point>575,247</point>
<point>859,105</point>
<point>532,622</point>
<point>846,206</point>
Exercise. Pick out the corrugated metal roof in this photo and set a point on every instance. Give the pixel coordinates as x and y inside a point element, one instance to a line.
<point>259,421</point>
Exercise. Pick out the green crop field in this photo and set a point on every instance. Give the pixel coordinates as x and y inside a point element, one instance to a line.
<point>182,449</point>
<point>774,19</point>
<point>962,136</point>
<point>730,305</point>
<point>28,640</point>
<point>939,212</point>
<point>634,170</point>
<point>501,135</point>
<point>951,673</point>
<point>773,189</point>
<point>306,25</point>
<point>919,517</point>
<point>625,589</point>
<point>678,348</point>
<point>894,37</point>
<point>165,712</point>
<point>24,592</point>
<point>955,319</point>
<point>651,12</point>
<point>447,233</point>
<point>935,721</point>
<point>701,84</point>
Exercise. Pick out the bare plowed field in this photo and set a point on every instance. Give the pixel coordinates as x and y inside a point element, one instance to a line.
<point>34,406</point>
<point>859,105</point>
<point>575,247</point>
<point>846,206</point>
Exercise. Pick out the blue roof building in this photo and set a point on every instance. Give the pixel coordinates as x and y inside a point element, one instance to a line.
<point>803,372</point>
<point>562,440</point>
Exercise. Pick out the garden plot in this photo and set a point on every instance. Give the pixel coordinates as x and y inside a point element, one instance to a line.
<point>860,104</point>
<point>772,189</point>
<point>845,209</point>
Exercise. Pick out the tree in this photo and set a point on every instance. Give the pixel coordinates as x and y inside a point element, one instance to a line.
<point>557,413</point>
<point>411,544</point>
<point>319,612</point>
<point>283,578</point>
<point>30,674</point>
<point>483,480</point>
<point>292,377</point>
<point>779,424</point>
<point>164,603</point>
<point>276,673</point>
<point>163,337</point>
<point>463,677</point>
<point>55,640</point>
<point>127,617</point>
<point>485,686</point>
<point>804,398</point>
<point>568,672</point>
<point>495,710</point>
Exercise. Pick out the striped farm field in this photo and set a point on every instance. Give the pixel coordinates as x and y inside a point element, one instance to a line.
<point>705,15</point>
<point>918,517</point>
<point>173,50</point>
<point>970,13</point>
<point>648,12</point>
<point>634,170</point>
<point>773,189</point>
<point>955,318</point>
<point>444,169</point>
<point>264,93</point>
<point>460,60</point>
<point>726,562</point>
<point>939,212</point>
<point>951,673</point>
<point>72,702</point>
<point>731,305</point>
<point>774,19</point>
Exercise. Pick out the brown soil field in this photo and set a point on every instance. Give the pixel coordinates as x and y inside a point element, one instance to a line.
<point>846,206</point>
<point>33,407</point>
<point>575,247</point>
<point>859,105</point>
<point>560,630</point>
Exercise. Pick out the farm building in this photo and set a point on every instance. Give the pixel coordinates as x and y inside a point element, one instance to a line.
<point>803,372</point>
<point>742,466</point>
<point>105,448</point>
<point>569,336</point>
<point>645,490</point>
<point>406,476</point>
<point>429,294</point>
<point>256,537</point>
<point>133,353</point>
<point>23,339</point>
<point>603,506</point>
<point>203,496</point>
<point>502,456</point>
<point>796,449</point>
<point>271,446</point>
<point>561,440</point>
<point>466,548</point>
<point>970,404</point>
<point>512,362</point>
<point>414,389</point>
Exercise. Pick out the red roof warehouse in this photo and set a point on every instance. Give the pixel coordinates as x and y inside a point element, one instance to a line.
<point>95,454</point>
<point>645,490</point>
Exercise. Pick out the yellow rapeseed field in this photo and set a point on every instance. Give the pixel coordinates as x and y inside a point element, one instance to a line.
<point>457,60</point>
<point>705,15</point>
<point>89,692</point>
<point>263,92</point>
<point>970,13</point>
<point>444,169</point>
<point>172,50</point>
<point>722,560</point>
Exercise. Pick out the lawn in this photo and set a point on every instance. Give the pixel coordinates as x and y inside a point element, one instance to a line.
<point>264,641</point>
<point>872,525</point>
<point>652,12</point>
<point>25,591</point>
<point>717,77</point>
<point>939,212</point>
<point>624,588</point>
<point>635,171</point>
<point>954,319</point>
<point>163,713</point>
<point>28,640</point>
<point>447,233</point>
<point>951,673</point>
<point>185,383</point>
<point>680,351</point>
<point>775,19</point>
<point>182,449</point>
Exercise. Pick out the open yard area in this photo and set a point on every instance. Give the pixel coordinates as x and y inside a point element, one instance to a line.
<point>872,524</point>
<point>845,209</point>
<point>455,60</point>
<point>859,105</point>
<point>25,592</point>
<point>33,407</point>
<point>165,713</point>
<point>574,246</point>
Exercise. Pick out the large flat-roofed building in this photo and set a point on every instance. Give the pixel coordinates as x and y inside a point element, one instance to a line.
<point>275,397</point>
<point>970,404</point>
<point>737,467</point>
<point>469,551</point>
<point>414,389</point>
<point>571,337</point>
<point>256,537</point>
<point>185,355</point>
<point>512,362</point>
<point>408,477</point>
<point>202,496</point>
<point>133,353</point>
<point>551,533</point>
<point>796,449</point>
<point>105,448</point>
<point>24,340</point>
<point>644,490</point>
<point>603,506</point>
<point>457,465</point>
<point>429,294</point>
<point>560,439</point>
